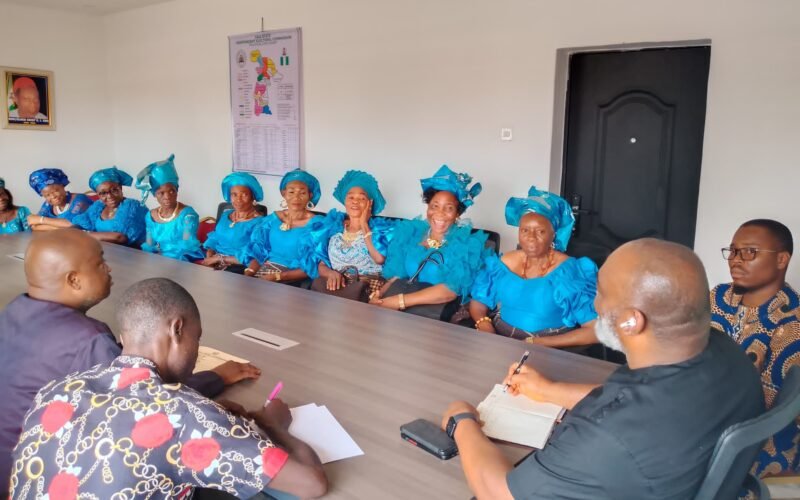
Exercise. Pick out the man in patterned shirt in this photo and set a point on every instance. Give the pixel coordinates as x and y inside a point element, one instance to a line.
<point>133,430</point>
<point>761,312</point>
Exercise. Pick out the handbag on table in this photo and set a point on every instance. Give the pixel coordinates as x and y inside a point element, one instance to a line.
<point>357,286</point>
<point>441,312</point>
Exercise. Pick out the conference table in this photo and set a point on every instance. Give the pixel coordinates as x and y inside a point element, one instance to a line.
<point>375,369</point>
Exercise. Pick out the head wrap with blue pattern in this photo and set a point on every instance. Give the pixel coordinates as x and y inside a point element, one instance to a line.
<point>446,180</point>
<point>241,179</point>
<point>112,174</point>
<point>363,180</point>
<point>551,206</point>
<point>40,179</point>
<point>309,180</point>
<point>156,175</point>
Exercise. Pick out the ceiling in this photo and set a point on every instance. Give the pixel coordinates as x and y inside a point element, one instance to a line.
<point>92,7</point>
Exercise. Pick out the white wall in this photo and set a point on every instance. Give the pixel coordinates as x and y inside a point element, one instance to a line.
<point>400,87</point>
<point>72,47</point>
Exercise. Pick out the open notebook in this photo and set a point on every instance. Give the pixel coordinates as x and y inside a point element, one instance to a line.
<point>517,419</point>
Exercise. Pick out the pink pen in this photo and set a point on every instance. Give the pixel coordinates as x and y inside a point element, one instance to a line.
<point>274,393</point>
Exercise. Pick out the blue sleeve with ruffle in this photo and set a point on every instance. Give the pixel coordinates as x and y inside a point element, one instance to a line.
<point>574,291</point>
<point>405,235</point>
<point>212,241</point>
<point>259,247</point>
<point>382,233</point>
<point>484,288</point>
<point>129,221</point>
<point>463,259</point>
<point>87,219</point>
<point>314,248</point>
<point>45,210</point>
<point>22,215</point>
<point>79,204</point>
<point>149,225</point>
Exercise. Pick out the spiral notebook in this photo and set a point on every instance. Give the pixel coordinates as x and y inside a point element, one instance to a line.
<point>517,419</point>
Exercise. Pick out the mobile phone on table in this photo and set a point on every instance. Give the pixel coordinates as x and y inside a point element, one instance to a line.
<point>429,437</point>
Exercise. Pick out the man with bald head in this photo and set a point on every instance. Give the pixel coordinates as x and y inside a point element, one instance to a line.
<point>649,430</point>
<point>45,333</point>
<point>173,439</point>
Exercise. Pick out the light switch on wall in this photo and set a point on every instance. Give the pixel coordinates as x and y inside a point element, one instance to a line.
<point>505,134</point>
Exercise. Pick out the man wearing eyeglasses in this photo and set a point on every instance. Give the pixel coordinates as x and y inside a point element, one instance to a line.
<point>761,312</point>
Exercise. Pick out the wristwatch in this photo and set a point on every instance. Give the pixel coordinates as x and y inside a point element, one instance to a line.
<point>455,419</point>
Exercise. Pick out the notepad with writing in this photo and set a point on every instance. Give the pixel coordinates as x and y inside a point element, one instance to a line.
<point>517,419</point>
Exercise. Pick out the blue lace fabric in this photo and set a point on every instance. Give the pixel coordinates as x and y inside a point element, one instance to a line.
<point>78,203</point>
<point>18,224</point>
<point>463,252</point>
<point>770,335</point>
<point>232,240</point>
<point>270,243</point>
<point>316,248</point>
<point>128,220</point>
<point>563,297</point>
<point>176,239</point>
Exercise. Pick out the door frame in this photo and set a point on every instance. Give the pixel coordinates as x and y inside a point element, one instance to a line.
<point>559,134</point>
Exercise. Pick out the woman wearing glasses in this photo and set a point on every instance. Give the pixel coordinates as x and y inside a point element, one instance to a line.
<point>113,218</point>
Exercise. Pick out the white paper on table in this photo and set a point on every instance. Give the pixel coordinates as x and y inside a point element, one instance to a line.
<point>317,426</point>
<point>517,419</point>
<point>266,339</point>
<point>208,359</point>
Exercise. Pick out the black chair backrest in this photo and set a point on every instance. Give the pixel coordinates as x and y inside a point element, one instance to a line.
<point>262,209</point>
<point>739,445</point>
<point>493,241</point>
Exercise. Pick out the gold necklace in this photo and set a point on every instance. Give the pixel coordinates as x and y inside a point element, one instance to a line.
<point>167,219</point>
<point>542,268</point>
<point>434,243</point>
<point>242,218</point>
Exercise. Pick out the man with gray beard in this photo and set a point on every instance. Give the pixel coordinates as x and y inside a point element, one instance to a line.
<point>649,430</point>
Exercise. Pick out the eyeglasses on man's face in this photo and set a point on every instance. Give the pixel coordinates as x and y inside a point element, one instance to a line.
<point>746,253</point>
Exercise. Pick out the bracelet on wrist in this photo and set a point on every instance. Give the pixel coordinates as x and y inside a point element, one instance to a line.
<point>402,301</point>
<point>481,320</point>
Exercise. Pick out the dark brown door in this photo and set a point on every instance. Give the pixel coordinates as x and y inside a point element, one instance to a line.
<point>634,145</point>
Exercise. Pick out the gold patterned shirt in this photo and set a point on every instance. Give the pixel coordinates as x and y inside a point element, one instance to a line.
<point>770,335</point>
<point>118,431</point>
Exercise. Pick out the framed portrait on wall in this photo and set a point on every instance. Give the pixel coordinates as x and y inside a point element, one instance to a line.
<point>28,99</point>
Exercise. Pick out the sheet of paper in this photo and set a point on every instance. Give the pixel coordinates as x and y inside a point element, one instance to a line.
<point>208,359</point>
<point>317,426</point>
<point>517,419</point>
<point>266,339</point>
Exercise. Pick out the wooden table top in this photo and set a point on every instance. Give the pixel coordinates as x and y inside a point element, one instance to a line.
<point>375,369</point>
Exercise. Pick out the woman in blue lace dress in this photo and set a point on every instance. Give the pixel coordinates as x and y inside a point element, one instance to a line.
<point>60,206</point>
<point>227,246</point>
<point>113,218</point>
<point>13,219</point>
<point>537,290</point>
<point>447,195</point>
<point>274,251</point>
<point>172,227</point>
<point>353,240</point>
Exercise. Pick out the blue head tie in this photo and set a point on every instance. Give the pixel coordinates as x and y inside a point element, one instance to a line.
<point>241,179</point>
<point>309,180</point>
<point>446,180</point>
<point>156,175</point>
<point>363,180</point>
<point>40,179</point>
<point>2,183</point>
<point>112,174</point>
<point>550,206</point>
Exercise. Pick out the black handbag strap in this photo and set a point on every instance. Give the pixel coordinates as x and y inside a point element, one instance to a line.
<point>429,258</point>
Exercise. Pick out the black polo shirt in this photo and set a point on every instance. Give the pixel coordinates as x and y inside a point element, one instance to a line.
<point>646,433</point>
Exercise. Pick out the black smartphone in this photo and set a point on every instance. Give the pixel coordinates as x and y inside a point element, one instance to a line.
<point>429,437</point>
